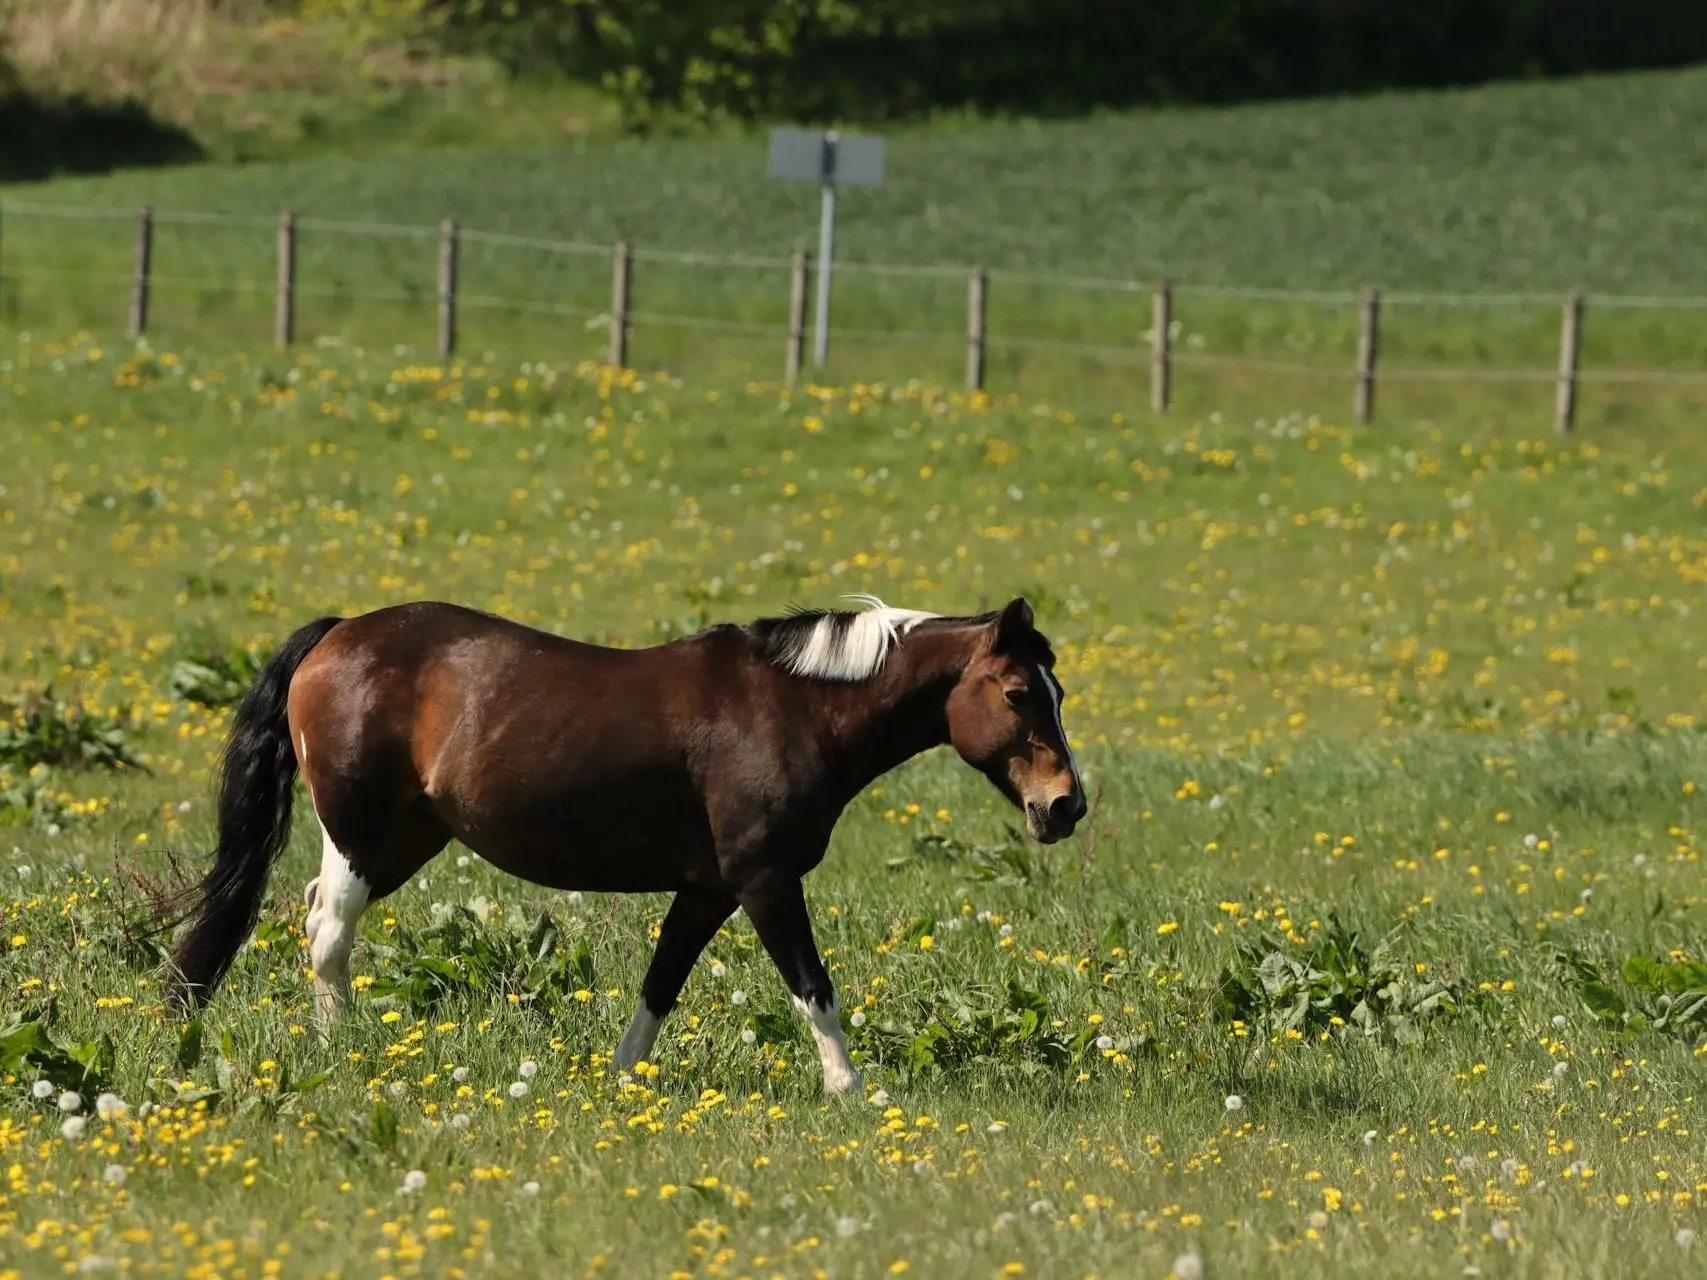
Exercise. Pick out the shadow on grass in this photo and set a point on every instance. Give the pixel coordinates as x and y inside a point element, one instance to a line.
<point>73,135</point>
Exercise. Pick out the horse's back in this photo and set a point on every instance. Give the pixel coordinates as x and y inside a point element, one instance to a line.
<point>525,744</point>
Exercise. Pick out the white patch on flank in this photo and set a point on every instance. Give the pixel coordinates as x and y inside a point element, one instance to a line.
<point>638,1040</point>
<point>855,651</point>
<point>336,898</point>
<point>1052,687</point>
<point>839,1073</point>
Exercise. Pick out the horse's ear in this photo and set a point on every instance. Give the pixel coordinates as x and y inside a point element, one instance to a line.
<point>1015,623</point>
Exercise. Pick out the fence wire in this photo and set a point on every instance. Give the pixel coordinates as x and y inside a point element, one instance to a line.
<point>428,293</point>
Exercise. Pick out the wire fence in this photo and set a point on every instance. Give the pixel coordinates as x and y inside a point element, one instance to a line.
<point>83,257</point>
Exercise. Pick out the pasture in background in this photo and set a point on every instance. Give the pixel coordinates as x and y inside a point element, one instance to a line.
<point>1380,951</point>
<point>1474,213</point>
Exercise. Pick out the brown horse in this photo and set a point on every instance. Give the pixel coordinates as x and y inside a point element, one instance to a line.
<point>713,767</point>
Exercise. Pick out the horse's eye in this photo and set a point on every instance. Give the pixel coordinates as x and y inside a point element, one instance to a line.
<point>1018,697</point>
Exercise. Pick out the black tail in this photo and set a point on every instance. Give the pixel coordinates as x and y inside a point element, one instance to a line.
<point>255,794</point>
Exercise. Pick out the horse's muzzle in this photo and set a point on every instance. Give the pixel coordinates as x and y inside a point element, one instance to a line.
<point>1057,820</point>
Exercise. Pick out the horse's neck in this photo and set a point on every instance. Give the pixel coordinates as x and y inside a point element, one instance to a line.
<point>903,711</point>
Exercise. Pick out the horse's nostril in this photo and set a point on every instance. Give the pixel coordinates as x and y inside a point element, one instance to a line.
<point>1067,810</point>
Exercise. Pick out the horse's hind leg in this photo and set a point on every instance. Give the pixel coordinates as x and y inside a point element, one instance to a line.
<point>336,898</point>
<point>364,862</point>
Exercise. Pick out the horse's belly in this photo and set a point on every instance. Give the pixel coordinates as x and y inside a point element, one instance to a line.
<point>604,841</point>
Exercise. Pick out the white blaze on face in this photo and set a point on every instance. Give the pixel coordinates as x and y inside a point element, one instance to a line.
<point>1053,692</point>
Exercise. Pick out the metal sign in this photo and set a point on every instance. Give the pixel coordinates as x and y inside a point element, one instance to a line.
<point>853,160</point>
<point>829,159</point>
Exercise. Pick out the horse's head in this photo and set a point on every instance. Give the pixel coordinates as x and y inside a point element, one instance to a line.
<point>1004,718</point>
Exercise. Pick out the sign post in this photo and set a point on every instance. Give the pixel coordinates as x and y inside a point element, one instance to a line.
<point>828,158</point>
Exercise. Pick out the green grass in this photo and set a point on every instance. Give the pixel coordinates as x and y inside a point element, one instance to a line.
<point>1442,691</point>
<point>1532,189</point>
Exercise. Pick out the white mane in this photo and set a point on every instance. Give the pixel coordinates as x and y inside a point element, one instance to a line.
<point>847,646</point>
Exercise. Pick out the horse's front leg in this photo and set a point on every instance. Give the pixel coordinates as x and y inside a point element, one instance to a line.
<point>693,920</point>
<point>776,904</point>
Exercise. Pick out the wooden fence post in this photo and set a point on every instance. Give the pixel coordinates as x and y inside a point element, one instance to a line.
<point>284,295</point>
<point>447,289</point>
<point>142,263</point>
<point>977,291</point>
<point>798,269</point>
<point>1160,366</point>
<point>1570,357</point>
<point>1368,343</point>
<point>621,278</point>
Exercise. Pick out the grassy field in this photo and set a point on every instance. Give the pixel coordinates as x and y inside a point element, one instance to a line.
<point>1381,952</point>
<point>233,81</point>
<point>1530,189</point>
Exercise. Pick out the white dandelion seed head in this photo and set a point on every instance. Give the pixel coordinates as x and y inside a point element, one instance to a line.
<point>1578,1168</point>
<point>109,1106</point>
<point>1531,840</point>
<point>1558,1022</point>
<point>529,1069</point>
<point>530,1188</point>
<point>921,1166</point>
<point>462,859</point>
<point>1684,1239</point>
<point>789,1200</point>
<point>1508,1168</point>
<point>461,1120</point>
<point>1038,1208</point>
<point>996,1126</point>
<point>397,1088</point>
<point>1006,1219</point>
<point>72,1129</point>
<point>1318,1219</point>
<point>1105,1043</point>
<point>1234,1102</point>
<point>71,1100</point>
<point>519,1089</point>
<point>42,1089</point>
<point>1560,1068</point>
<point>857,1018</point>
<point>459,1075</point>
<point>846,1228</point>
<point>880,1098</point>
<point>1188,1266</point>
<point>1217,800</point>
<point>749,1036</point>
<point>1007,931</point>
<point>115,1174</point>
<point>414,1181</point>
<point>1501,1230</point>
<point>1466,1163</point>
<point>737,997</point>
<point>718,969</point>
